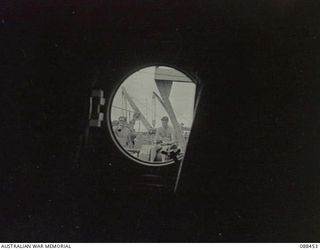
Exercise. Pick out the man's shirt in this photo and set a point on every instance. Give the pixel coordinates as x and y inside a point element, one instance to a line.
<point>165,134</point>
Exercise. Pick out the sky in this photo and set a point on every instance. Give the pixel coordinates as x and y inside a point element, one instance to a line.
<point>140,86</point>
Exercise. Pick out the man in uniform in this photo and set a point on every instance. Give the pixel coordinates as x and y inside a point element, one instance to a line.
<point>122,131</point>
<point>125,132</point>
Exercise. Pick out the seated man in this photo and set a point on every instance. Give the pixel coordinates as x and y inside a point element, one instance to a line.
<point>164,138</point>
<point>165,133</point>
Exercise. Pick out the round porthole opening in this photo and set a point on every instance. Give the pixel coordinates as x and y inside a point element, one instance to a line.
<point>151,115</point>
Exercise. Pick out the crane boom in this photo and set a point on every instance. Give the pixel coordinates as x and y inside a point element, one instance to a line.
<point>142,118</point>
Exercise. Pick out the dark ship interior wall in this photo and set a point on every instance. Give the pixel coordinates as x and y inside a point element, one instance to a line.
<point>251,173</point>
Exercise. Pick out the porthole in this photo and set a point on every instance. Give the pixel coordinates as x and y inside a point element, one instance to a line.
<point>151,114</point>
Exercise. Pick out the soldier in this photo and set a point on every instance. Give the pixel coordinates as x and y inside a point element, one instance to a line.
<point>125,132</point>
<point>122,131</point>
<point>132,136</point>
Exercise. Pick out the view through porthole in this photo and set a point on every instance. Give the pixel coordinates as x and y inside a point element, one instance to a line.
<point>152,113</point>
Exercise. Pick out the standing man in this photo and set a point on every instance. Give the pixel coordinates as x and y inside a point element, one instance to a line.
<point>125,132</point>
<point>122,131</point>
<point>132,136</point>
